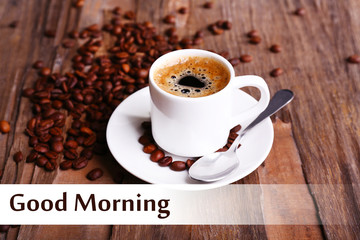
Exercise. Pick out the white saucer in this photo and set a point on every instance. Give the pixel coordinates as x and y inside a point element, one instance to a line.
<point>124,130</point>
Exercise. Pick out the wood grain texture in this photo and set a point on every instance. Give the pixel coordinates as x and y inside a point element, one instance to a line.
<point>321,147</point>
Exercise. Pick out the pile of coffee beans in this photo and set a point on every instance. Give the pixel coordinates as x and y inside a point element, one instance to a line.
<point>158,155</point>
<point>87,96</point>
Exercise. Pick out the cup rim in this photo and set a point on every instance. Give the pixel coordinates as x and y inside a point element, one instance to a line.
<point>188,52</point>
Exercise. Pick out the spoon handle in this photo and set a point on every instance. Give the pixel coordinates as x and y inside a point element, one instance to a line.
<point>278,101</point>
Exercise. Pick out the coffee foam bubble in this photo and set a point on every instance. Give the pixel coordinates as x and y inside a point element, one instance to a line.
<point>211,75</point>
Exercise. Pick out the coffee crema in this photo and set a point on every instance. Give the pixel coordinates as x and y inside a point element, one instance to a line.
<point>192,76</point>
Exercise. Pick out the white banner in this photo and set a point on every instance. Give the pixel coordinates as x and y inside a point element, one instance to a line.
<point>156,204</point>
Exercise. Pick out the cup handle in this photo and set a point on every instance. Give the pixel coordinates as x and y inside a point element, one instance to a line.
<point>251,81</point>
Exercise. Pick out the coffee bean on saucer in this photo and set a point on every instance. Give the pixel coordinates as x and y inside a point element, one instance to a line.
<point>178,166</point>
<point>157,155</point>
<point>145,139</point>
<point>149,148</point>
<point>165,161</point>
<point>189,163</point>
<point>236,128</point>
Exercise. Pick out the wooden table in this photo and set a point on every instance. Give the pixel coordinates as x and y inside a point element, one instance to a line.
<point>317,137</point>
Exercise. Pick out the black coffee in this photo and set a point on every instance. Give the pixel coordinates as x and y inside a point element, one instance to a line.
<point>193,77</point>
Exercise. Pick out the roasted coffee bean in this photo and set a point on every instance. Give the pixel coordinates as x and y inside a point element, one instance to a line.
<point>31,124</point>
<point>354,59</point>
<point>38,64</point>
<point>255,40</point>
<point>45,138</point>
<point>87,152</point>
<point>18,157</point>
<point>49,166</point>
<point>45,71</point>
<point>129,15</point>
<point>71,144</point>
<point>227,25</point>
<point>89,141</point>
<point>149,148</point>
<point>183,10</point>
<point>55,131</point>
<point>41,161</point>
<point>33,155</point>
<point>245,58</point>
<point>198,41</point>
<point>214,29</point>
<point>4,126</point>
<point>57,147</point>
<point>165,161</point>
<point>86,131</point>
<point>4,228</point>
<point>45,124</point>
<point>73,132</point>
<point>116,11</point>
<point>68,43</point>
<point>233,136</point>
<point>157,155</point>
<point>199,34</point>
<point>80,140</point>
<point>275,48</point>
<point>178,166</point>
<point>144,140</point>
<point>95,174</point>
<point>79,3</point>
<point>189,163</point>
<point>41,148</point>
<point>80,163</point>
<point>57,139</point>
<point>236,128</point>
<point>51,155</point>
<point>65,165</point>
<point>253,33</point>
<point>70,154</point>
<point>208,5</point>
<point>234,61</point>
<point>28,92</point>
<point>169,19</point>
<point>122,55</point>
<point>300,12</point>
<point>276,72</point>
<point>74,34</point>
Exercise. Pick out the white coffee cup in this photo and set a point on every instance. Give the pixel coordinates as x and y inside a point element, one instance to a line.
<point>192,127</point>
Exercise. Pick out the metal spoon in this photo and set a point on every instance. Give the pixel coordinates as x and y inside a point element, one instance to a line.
<point>218,165</point>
